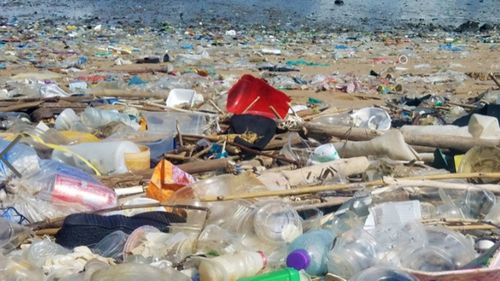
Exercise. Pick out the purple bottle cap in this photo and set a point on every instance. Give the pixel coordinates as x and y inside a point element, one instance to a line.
<point>298,259</point>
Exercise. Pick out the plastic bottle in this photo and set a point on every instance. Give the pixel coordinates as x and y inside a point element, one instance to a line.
<point>39,251</point>
<point>11,235</point>
<point>107,157</point>
<point>75,190</point>
<point>287,274</point>
<point>232,267</point>
<point>95,118</point>
<point>309,252</point>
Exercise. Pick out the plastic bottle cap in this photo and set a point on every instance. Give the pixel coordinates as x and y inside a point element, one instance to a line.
<point>298,259</point>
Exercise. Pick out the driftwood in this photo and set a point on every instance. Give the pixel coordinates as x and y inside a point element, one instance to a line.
<point>315,174</point>
<point>343,132</point>
<point>438,141</point>
<point>459,143</point>
<point>128,93</point>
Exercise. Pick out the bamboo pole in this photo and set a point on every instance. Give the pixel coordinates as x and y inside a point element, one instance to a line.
<point>359,134</point>
<point>316,189</point>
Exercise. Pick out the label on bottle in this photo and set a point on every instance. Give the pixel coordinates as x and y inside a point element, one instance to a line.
<point>73,190</point>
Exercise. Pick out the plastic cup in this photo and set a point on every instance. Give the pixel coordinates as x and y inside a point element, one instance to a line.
<point>277,222</point>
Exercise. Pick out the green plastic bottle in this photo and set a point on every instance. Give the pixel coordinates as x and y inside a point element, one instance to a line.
<point>288,274</point>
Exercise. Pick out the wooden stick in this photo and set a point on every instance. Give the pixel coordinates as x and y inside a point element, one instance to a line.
<point>181,142</point>
<point>401,183</point>
<point>251,104</point>
<point>251,150</point>
<point>492,76</point>
<point>316,189</point>
<point>212,103</point>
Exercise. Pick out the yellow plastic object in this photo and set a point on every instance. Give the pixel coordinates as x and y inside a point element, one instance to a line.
<point>138,161</point>
<point>481,159</point>
<point>79,137</point>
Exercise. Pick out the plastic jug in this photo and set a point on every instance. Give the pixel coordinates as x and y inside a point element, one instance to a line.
<point>107,157</point>
<point>309,252</point>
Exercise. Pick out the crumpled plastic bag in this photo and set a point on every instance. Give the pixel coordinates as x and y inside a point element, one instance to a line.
<point>167,178</point>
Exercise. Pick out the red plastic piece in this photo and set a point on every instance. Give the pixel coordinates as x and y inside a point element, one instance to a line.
<point>257,97</point>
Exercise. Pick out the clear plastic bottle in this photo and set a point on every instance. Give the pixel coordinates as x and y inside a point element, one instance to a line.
<point>95,118</point>
<point>309,252</point>
<point>11,235</point>
<point>232,267</point>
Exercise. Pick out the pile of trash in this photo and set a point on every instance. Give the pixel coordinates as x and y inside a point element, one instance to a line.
<point>232,155</point>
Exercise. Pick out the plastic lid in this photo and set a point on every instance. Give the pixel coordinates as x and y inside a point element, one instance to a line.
<point>298,259</point>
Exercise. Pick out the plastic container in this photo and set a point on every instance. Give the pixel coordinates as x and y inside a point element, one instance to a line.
<point>66,119</point>
<point>277,222</point>
<point>372,118</point>
<point>254,96</point>
<point>183,98</point>
<point>481,159</point>
<point>107,157</point>
<point>377,273</point>
<point>232,267</point>
<point>324,153</point>
<point>311,218</point>
<point>309,252</point>
<point>138,161</point>
<point>40,251</point>
<point>353,252</point>
<point>287,274</point>
<point>164,123</point>
<point>160,147</point>
<point>445,250</point>
<point>112,245</point>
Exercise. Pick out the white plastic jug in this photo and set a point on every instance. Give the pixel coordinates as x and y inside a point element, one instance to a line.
<point>107,157</point>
